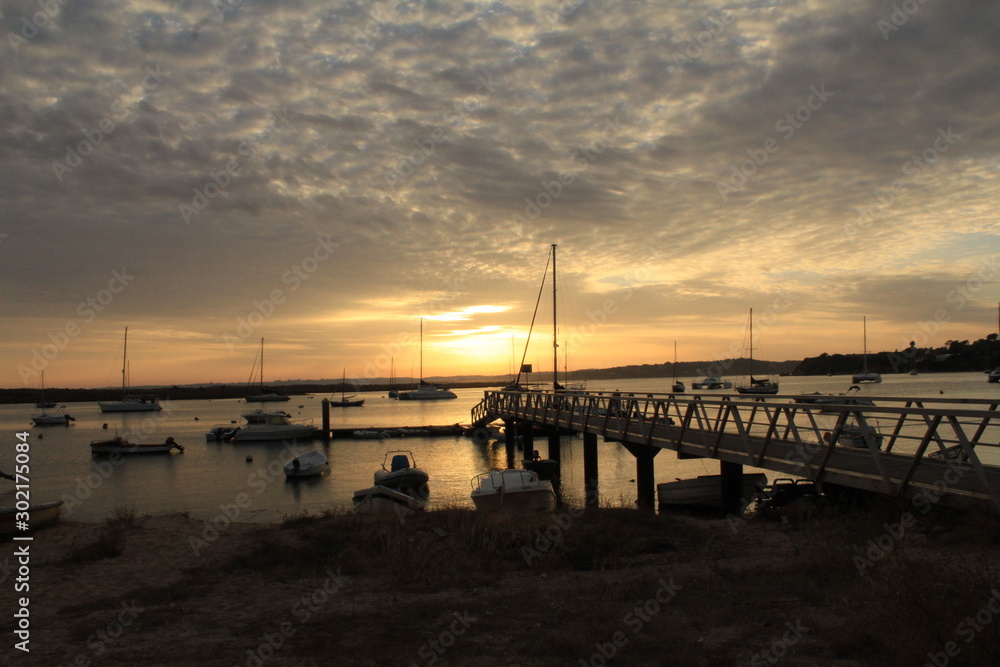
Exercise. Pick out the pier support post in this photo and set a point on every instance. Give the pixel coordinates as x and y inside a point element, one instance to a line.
<point>527,437</point>
<point>590,468</point>
<point>510,440</point>
<point>645,477</point>
<point>731,475</point>
<point>326,420</point>
<point>554,450</point>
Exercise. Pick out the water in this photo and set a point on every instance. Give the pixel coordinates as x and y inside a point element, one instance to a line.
<point>210,474</point>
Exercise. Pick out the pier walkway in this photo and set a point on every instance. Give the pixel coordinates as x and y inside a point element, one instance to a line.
<point>942,448</point>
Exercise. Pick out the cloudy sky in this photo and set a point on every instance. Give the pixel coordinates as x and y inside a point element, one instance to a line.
<point>324,174</point>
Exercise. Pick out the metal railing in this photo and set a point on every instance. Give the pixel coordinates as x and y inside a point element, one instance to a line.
<point>899,447</point>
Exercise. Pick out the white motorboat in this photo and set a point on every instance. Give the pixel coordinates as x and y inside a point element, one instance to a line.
<point>313,462</point>
<point>58,419</point>
<point>512,489</point>
<point>263,425</point>
<point>865,375</point>
<point>403,476</point>
<point>129,403</point>
<point>380,498</point>
<point>712,382</point>
<point>704,489</point>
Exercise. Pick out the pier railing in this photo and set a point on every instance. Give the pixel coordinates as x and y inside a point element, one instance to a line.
<point>899,447</point>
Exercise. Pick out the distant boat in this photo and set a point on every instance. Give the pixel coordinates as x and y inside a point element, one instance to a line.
<point>222,432</point>
<point>512,489</point>
<point>42,403</point>
<point>344,401</point>
<point>59,419</point>
<point>757,386</point>
<point>129,403</point>
<point>425,391</point>
<point>994,375</point>
<point>262,397</point>
<point>712,382</point>
<point>120,445</point>
<point>705,489</point>
<point>865,375</point>
<point>277,425</point>
<point>678,387</point>
<point>310,464</point>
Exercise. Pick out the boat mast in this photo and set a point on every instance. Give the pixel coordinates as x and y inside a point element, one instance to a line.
<point>262,364</point>
<point>864,354</point>
<point>421,353</point>
<point>751,346</point>
<point>124,358</point>
<point>555,332</point>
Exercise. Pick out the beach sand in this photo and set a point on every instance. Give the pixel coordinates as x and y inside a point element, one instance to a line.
<point>453,587</point>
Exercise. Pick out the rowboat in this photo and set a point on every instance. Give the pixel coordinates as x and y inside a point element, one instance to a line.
<point>311,463</point>
<point>38,516</point>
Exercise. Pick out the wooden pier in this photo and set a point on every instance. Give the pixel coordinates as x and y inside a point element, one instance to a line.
<point>927,449</point>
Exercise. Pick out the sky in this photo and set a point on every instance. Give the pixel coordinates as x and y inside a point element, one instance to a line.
<point>323,175</point>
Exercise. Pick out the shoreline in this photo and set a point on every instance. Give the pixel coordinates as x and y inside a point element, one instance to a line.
<point>453,586</point>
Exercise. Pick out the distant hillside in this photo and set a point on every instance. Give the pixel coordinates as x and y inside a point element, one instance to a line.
<point>953,357</point>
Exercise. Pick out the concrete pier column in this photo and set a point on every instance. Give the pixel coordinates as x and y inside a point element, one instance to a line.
<point>590,473</point>
<point>732,486</point>
<point>510,433</point>
<point>326,420</point>
<point>645,477</point>
<point>527,432</point>
<point>554,447</point>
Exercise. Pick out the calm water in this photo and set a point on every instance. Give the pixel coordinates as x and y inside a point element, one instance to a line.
<point>209,474</point>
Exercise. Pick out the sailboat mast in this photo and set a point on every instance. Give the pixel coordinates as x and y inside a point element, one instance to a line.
<point>555,331</point>
<point>262,364</point>
<point>751,346</point>
<point>864,354</point>
<point>421,352</point>
<point>124,361</point>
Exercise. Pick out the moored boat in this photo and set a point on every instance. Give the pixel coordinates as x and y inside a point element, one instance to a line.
<point>129,403</point>
<point>380,498</point>
<point>512,489</point>
<point>712,382</point>
<point>262,425</point>
<point>403,476</point>
<point>865,375</point>
<point>119,445</point>
<point>313,462</point>
<point>59,419</point>
<point>704,489</point>
<point>38,515</point>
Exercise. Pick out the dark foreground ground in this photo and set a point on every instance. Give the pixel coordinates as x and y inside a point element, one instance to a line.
<point>453,587</point>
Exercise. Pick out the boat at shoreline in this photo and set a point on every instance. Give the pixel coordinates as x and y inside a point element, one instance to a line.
<point>380,498</point>
<point>40,515</point>
<point>119,445</point>
<point>403,476</point>
<point>705,489</point>
<point>129,403</point>
<point>512,489</point>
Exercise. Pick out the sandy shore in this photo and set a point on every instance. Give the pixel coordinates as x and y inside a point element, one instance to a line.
<point>453,587</point>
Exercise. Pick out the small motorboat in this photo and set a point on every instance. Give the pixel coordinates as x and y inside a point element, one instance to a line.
<point>119,445</point>
<point>403,476</point>
<point>38,516</point>
<point>712,382</point>
<point>222,432</point>
<point>380,498</point>
<point>313,462</point>
<point>512,489</point>
<point>545,468</point>
<point>263,425</point>
<point>58,419</point>
<point>704,489</point>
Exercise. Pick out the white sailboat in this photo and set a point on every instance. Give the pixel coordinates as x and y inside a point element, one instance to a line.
<point>262,397</point>
<point>130,403</point>
<point>865,375</point>
<point>425,391</point>
<point>757,386</point>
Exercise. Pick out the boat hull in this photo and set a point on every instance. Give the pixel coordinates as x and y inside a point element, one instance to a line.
<point>122,446</point>
<point>310,464</point>
<point>513,490</point>
<point>704,489</point>
<point>38,516</point>
<point>130,406</point>
<point>377,499</point>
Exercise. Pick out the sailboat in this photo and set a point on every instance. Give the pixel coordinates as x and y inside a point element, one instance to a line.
<point>678,387</point>
<point>42,403</point>
<point>425,391</point>
<point>865,375</point>
<point>761,386</point>
<point>344,401</point>
<point>129,403</point>
<point>393,392</point>
<point>262,397</point>
<point>526,368</point>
